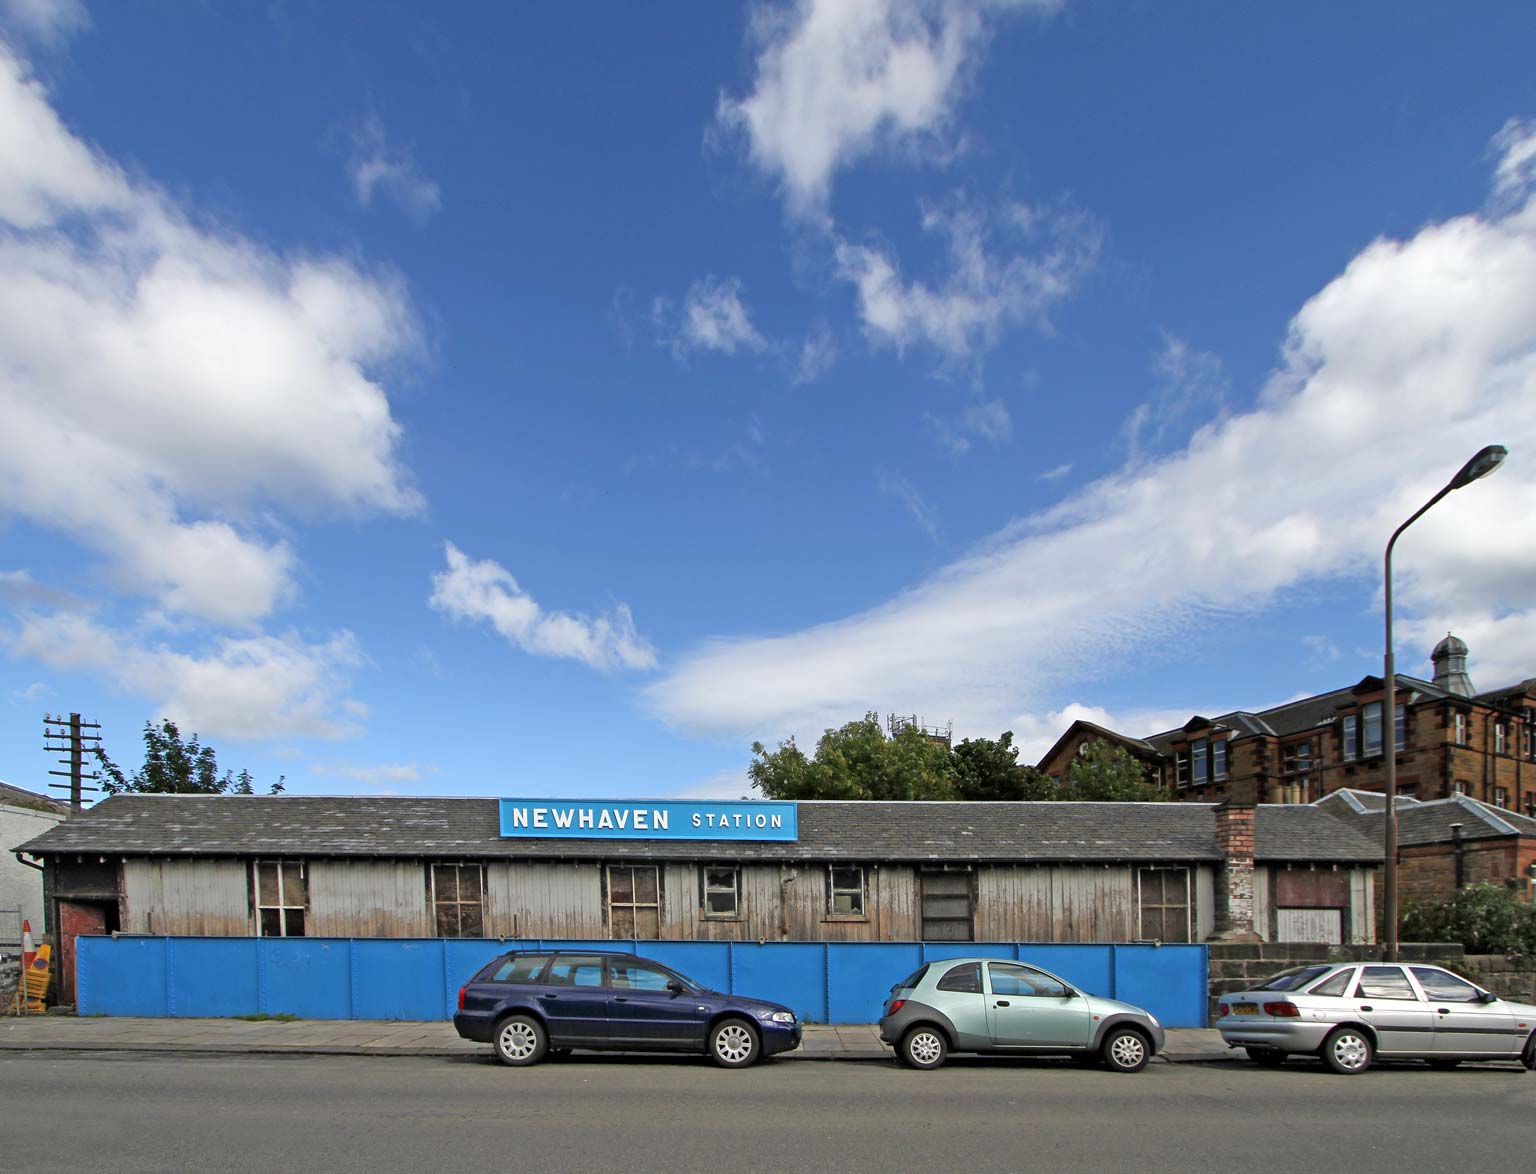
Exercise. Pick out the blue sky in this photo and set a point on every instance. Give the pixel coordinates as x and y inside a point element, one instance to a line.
<point>468,400</point>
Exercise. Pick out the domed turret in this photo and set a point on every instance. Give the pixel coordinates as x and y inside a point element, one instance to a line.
<point>1450,658</point>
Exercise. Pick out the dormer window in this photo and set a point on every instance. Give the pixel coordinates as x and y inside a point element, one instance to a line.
<point>1372,715</point>
<point>1219,759</point>
<point>1351,737</point>
<point>1181,767</point>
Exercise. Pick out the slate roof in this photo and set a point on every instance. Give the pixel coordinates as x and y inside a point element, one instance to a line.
<point>1307,713</point>
<point>292,825</point>
<point>1430,822</point>
<point>18,797</point>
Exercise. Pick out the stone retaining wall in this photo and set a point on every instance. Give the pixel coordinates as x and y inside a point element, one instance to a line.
<point>10,975</point>
<point>1513,978</point>
<point>1236,966</point>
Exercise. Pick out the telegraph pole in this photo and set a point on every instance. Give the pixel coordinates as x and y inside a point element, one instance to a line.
<point>67,736</point>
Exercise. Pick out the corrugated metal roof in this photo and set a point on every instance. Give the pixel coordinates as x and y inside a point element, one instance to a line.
<point>291,825</point>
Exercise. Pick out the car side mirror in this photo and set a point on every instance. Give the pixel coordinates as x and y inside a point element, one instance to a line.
<point>1068,993</point>
<point>674,986</point>
<point>1487,997</point>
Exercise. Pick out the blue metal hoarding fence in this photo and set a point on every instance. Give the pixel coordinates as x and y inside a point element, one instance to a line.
<point>419,978</point>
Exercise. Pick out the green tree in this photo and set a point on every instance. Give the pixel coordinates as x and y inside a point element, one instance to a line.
<point>857,761</point>
<point>174,766</point>
<point>990,770</point>
<point>1107,773</point>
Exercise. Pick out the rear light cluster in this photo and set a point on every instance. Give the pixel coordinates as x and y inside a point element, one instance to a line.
<point>896,1005</point>
<point>1222,1010</point>
<point>1282,1010</point>
<point>462,989</point>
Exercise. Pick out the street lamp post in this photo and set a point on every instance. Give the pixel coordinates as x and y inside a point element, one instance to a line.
<point>1481,465</point>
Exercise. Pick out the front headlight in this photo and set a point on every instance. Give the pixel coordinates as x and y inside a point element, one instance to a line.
<point>780,1017</point>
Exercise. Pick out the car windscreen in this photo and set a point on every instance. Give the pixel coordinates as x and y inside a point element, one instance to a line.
<point>1291,980</point>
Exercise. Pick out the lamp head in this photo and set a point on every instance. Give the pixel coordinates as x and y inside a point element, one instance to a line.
<point>1481,465</point>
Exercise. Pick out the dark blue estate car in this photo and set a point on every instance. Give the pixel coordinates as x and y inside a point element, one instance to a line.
<point>529,1005</point>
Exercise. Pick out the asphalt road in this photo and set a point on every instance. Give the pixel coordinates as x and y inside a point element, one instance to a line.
<point>125,1112</point>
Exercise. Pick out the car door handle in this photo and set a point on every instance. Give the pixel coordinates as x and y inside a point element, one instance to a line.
<point>1003,1003</point>
<point>1445,1010</point>
<point>621,998</point>
<point>1367,1008</point>
<point>549,996</point>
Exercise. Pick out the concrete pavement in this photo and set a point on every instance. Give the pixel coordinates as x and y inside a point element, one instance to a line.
<point>352,1037</point>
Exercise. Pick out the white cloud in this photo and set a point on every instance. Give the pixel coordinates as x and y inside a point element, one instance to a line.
<point>1057,473</point>
<point>377,165</point>
<point>817,356</point>
<point>487,591</point>
<point>713,318</point>
<point>165,382</point>
<point>838,80</point>
<point>1418,354</point>
<point>47,21</point>
<point>991,284</point>
<point>247,687</point>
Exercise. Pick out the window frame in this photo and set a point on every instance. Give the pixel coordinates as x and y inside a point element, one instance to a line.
<point>1458,728</point>
<point>1349,736</point>
<point>634,906</point>
<point>1218,759</point>
<point>705,889</point>
<point>437,905</point>
<point>833,890</point>
<point>1163,907</point>
<point>284,907</point>
<point>1200,761</point>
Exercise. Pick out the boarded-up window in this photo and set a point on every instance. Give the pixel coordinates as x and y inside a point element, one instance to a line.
<point>1164,903</point>
<point>458,900</point>
<point>634,901</point>
<point>281,897</point>
<point>722,892</point>
<point>946,900</point>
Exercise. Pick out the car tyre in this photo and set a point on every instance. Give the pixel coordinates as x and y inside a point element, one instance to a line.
<point>1126,1050</point>
<point>733,1043</point>
<point>1266,1057</point>
<point>1347,1051</point>
<point>1528,1057</point>
<point>923,1048</point>
<point>520,1040</point>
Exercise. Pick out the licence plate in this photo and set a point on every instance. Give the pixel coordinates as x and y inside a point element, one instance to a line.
<point>1245,1008</point>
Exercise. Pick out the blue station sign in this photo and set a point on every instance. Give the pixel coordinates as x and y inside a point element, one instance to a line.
<point>654,819</point>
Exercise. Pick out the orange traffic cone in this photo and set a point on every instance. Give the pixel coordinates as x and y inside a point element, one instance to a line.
<point>28,950</point>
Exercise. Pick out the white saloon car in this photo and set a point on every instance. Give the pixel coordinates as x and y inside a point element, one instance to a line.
<point>1348,1014</point>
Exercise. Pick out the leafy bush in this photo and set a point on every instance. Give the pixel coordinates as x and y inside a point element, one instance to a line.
<point>1485,918</point>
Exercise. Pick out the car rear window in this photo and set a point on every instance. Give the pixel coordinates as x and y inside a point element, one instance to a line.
<point>1335,986</point>
<point>1291,980</point>
<point>519,968</point>
<point>914,978</point>
<point>966,979</point>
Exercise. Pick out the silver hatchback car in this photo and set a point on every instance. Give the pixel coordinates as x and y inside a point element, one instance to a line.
<point>1002,1008</point>
<point>1348,1014</point>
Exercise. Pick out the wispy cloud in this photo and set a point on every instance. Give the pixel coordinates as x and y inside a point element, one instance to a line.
<point>486,591</point>
<point>906,493</point>
<point>48,22</point>
<point>839,80</point>
<point>1304,486</point>
<point>1006,267</point>
<point>981,419</point>
<point>375,775</point>
<point>246,687</point>
<point>1189,387</point>
<point>380,166</point>
<point>713,317</point>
